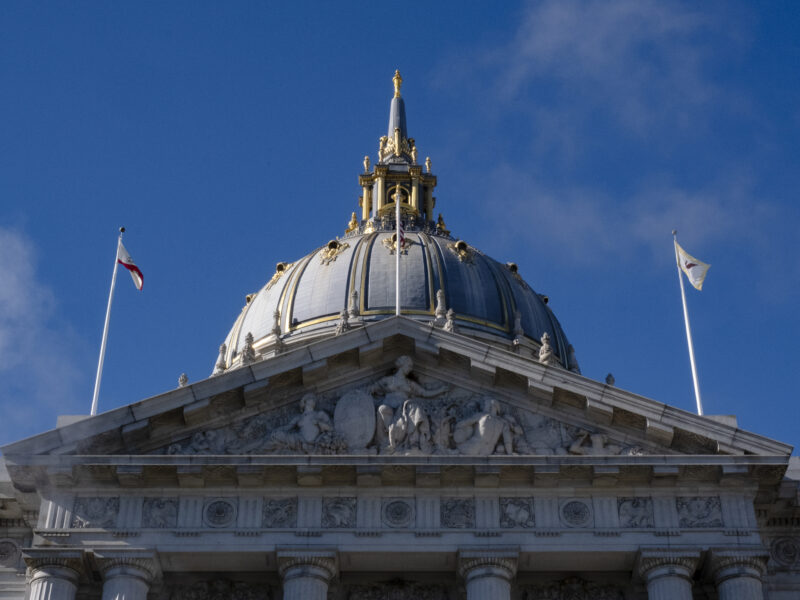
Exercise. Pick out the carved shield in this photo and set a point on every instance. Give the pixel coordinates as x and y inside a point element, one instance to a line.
<point>354,418</point>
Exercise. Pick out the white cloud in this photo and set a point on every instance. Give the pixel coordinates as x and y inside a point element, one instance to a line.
<point>639,60</point>
<point>38,375</point>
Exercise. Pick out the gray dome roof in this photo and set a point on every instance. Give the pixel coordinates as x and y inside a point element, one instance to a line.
<point>311,293</point>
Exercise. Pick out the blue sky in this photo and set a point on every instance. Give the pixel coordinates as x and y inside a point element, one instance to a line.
<point>568,137</point>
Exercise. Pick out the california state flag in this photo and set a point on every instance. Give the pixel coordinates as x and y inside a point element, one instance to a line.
<point>126,261</point>
<point>695,269</point>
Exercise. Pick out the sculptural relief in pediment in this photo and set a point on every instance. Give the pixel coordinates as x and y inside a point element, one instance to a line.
<point>399,414</point>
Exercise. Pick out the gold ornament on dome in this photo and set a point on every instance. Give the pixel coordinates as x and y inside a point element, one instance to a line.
<point>352,225</point>
<point>280,269</point>
<point>463,251</point>
<point>441,228</point>
<point>396,145</point>
<point>390,243</point>
<point>398,81</point>
<point>331,251</point>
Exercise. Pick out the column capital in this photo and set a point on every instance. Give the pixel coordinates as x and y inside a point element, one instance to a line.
<point>500,562</point>
<point>132,562</point>
<point>653,563</point>
<point>64,563</point>
<point>738,562</point>
<point>318,564</point>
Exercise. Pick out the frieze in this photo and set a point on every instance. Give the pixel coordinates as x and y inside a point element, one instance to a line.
<point>572,588</point>
<point>394,590</point>
<point>279,513</point>
<point>699,511</point>
<point>458,513</point>
<point>220,589</point>
<point>338,512</point>
<point>635,512</point>
<point>100,512</point>
<point>400,415</point>
<point>517,512</point>
<point>160,513</point>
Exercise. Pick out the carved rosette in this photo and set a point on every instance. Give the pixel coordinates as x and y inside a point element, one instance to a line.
<point>9,553</point>
<point>785,551</point>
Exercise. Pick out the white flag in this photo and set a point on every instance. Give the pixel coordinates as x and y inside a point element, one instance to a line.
<point>695,269</point>
<point>126,261</point>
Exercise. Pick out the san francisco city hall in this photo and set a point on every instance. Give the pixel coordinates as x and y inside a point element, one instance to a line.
<point>340,451</point>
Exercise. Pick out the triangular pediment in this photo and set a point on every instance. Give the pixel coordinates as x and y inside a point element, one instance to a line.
<point>354,395</point>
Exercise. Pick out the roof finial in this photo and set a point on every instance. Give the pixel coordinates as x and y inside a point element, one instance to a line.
<point>398,81</point>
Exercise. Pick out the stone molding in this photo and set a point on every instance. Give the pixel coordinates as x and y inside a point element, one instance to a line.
<point>317,564</point>
<point>139,563</point>
<point>654,563</point>
<point>474,564</point>
<point>738,562</point>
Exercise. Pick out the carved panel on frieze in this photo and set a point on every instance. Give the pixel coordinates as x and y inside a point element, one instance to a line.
<point>517,512</point>
<point>699,511</point>
<point>95,512</point>
<point>573,588</point>
<point>160,513</point>
<point>636,512</point>
<point>395,590</point>
<point>458,513</point>
<point>279,513</point>
<point>339,512</point>
<point>402,413</point>
<point>219,589</point>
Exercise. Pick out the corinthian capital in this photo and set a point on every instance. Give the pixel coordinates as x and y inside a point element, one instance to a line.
<point>659,562</point>
<point>498,563</point>
<point>738,562</point>
<point>140,563</point>
<point>72,559</point>
<point>320,564</point>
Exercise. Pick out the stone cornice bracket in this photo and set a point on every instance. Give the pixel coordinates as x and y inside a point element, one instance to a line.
<point>475,564</point>
<point>738,562</point>
<point>134,562</point>
<point>63,563</point>
<point>316,564</point>
<point>654,563</point>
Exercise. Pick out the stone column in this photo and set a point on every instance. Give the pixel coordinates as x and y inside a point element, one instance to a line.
<point>306,573</point>
<point>127,574</point>
<point>488,574</point>
<point>738,573</point>
<point>54,574</point>
<point>668,572</point>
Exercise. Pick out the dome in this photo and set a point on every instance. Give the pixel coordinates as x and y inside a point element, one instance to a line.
<point>350,281</point>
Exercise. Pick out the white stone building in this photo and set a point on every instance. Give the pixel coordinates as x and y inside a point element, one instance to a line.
<point>339,451</point>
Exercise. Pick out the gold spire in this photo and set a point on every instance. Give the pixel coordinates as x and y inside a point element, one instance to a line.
<point>398,81</point>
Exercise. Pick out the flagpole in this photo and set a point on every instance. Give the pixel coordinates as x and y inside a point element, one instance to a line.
<point>397,254</point>
<point>688,328</point>
<point>105,328</point>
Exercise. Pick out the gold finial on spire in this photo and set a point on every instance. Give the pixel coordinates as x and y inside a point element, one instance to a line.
<point>398,81</point>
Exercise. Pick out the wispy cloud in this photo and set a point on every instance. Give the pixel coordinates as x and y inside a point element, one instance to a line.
<point>640,60</point>
<point>38,375</point>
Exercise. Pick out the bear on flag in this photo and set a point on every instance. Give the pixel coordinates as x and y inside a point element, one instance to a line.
<point>695,269</point>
